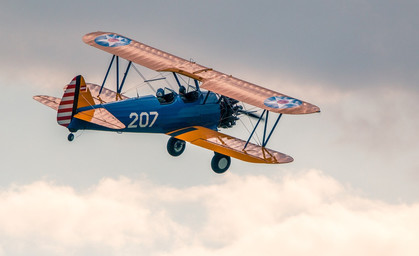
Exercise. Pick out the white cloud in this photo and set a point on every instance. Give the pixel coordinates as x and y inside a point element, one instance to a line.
<point>296,214</point>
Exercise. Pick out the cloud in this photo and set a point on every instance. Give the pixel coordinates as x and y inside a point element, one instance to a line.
<point>383,118</point>
<point>295,214</point>
<point>351,45</point>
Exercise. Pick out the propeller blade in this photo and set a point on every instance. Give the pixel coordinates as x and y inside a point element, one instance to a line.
<point>250,113</point>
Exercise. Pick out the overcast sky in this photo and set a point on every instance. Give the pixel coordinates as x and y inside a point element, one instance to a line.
<point>353,188</point>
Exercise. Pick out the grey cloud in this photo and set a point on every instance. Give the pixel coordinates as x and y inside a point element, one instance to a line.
<point>348,44</point>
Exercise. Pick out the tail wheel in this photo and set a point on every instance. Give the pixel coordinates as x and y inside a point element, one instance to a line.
<point>175,147</point>
<point>70,137</point>
<point>220,163</point>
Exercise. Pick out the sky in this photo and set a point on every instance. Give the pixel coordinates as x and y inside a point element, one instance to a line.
<point>352,189</point>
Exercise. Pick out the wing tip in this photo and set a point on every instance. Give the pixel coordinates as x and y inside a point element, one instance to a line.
<point>305,108</point>
<point>87,37</point>
<point>284,159</point>
<point>313,109</point>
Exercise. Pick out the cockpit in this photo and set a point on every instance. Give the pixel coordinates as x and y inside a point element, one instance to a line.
<point>188,96</point>
<point>167,95</point>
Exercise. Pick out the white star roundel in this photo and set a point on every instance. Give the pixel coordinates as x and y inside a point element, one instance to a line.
<point>112,40</point>
<point>282,102</point>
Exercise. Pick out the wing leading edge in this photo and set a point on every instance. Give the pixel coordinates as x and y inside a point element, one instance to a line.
<point>212,80</point>
<point>230,146</point>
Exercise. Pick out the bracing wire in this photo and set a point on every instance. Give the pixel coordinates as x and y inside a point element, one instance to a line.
<point>143,77</point>
<point>251,123</point>
<point>140,85</point>
<point>167,82</point>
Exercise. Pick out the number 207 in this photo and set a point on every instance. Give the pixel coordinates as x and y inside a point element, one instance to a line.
<point>143,120</point>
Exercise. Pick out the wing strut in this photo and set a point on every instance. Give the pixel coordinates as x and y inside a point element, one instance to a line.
<point>254,129</point>
<point>264,141</point>
<point>177,79</point>
<point>117,77</point>
<point>118,86</point>
<point>264,129</point>
<point>106,76</point>
<point>197,84</point>
<point>273,128</point>
<point>123,79</point>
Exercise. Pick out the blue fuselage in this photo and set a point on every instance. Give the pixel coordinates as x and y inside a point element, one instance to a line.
<point>146,114</point>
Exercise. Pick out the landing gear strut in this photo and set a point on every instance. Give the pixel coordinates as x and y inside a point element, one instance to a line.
<point>175,147</point>
<point>70,137</point>
<point>220,163</point>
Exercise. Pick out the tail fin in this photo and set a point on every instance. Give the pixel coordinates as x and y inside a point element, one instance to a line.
<point>76,95</point>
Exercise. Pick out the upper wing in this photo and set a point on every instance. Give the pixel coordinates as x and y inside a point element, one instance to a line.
<point>212,80</point>
<point>257,96</point>
<point>230,146</point>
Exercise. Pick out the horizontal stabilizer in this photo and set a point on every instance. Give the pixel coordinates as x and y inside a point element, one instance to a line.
<point>106,96</point>
<point>49,101</point>
<point>100,116</point>
<point>230,146</point>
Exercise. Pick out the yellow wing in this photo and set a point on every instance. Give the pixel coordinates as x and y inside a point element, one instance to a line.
<point>230,146</point>
<point>212,80</point>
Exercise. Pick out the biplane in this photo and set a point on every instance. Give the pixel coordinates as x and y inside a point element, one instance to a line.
<point>194,115</point>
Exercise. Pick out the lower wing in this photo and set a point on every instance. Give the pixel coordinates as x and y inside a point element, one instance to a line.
<point>230,146</point>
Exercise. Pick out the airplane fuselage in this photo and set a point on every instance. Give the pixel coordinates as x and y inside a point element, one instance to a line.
<point>146,114</point>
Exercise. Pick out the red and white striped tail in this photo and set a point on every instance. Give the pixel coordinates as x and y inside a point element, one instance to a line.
<point>66,108</point>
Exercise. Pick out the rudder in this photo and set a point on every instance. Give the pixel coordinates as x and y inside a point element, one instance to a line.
<point>76,95</point>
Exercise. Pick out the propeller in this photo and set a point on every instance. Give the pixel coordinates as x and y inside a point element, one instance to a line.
<point>250,114</point>
<point>239,109</point>
<point>230,111</point>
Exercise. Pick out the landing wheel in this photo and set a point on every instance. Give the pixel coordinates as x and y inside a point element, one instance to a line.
<point>70,137</point>
<point>175,147</point>
<point>220,163</point>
